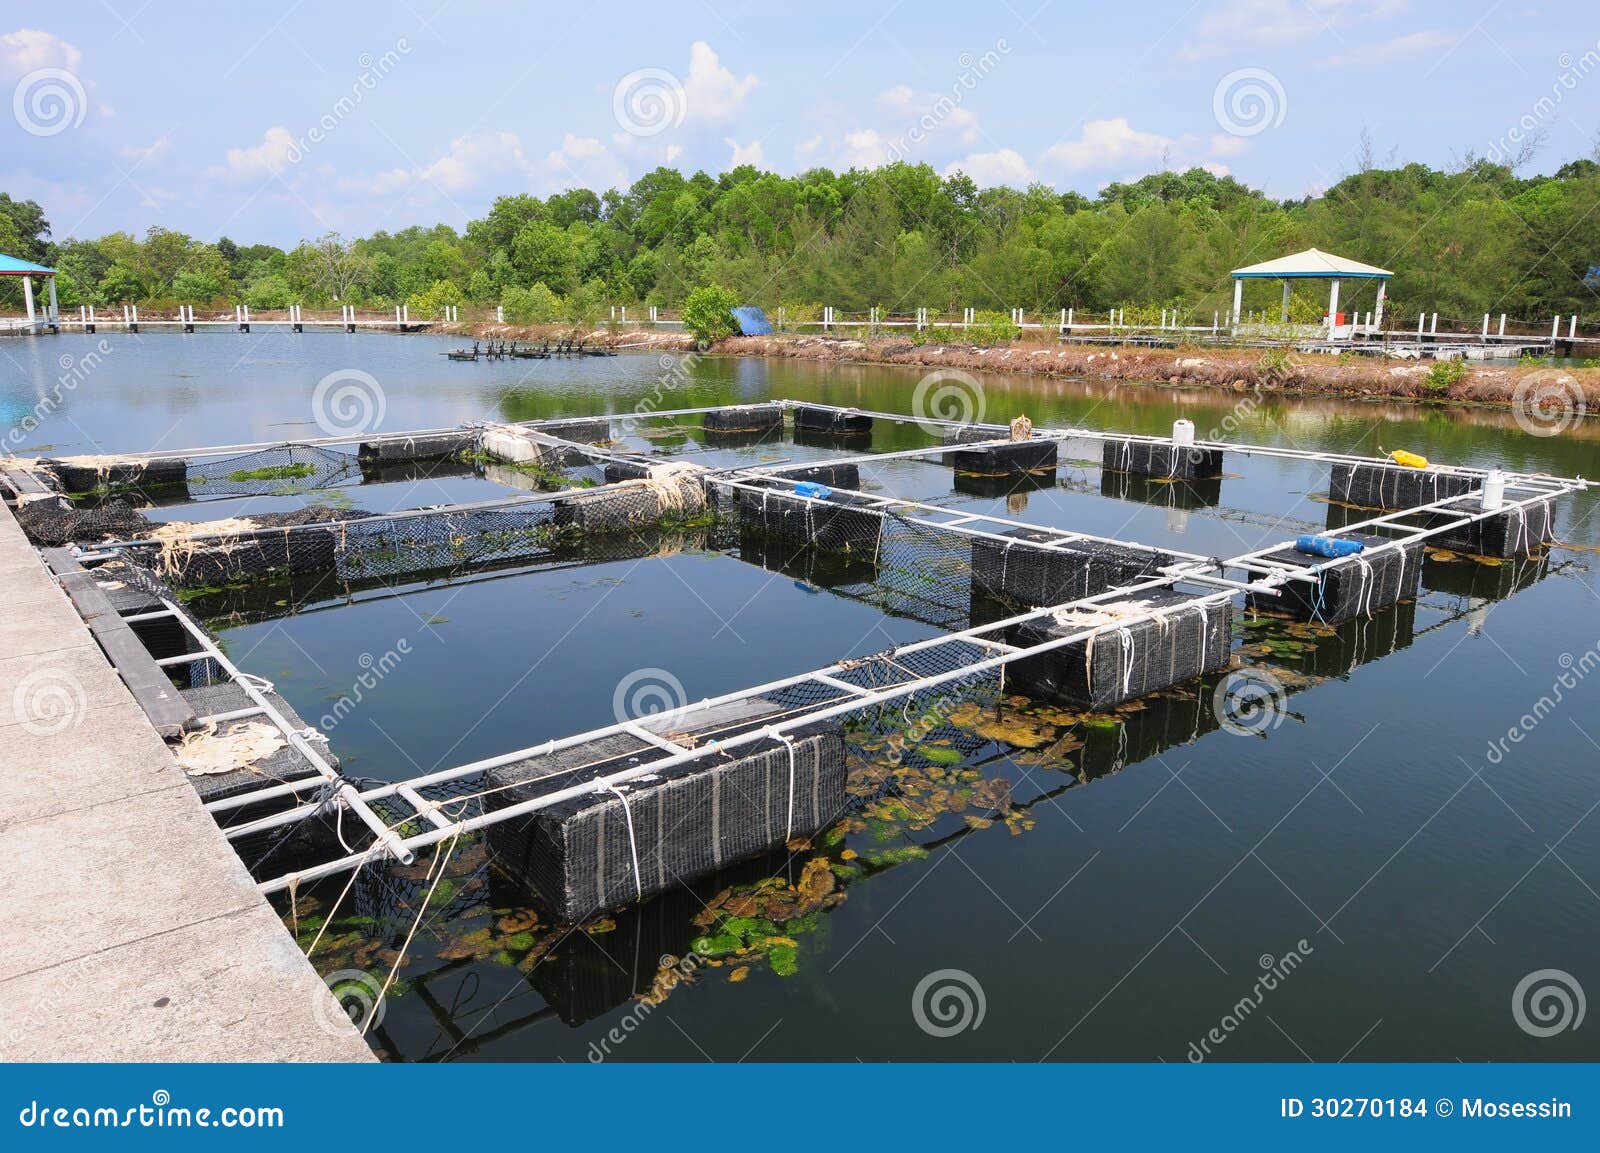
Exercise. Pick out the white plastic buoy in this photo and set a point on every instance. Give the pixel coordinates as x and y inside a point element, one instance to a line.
<point>1494,490</point>
<point>1183,432</point>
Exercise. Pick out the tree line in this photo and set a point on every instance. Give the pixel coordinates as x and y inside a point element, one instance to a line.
<point>1462,242</point>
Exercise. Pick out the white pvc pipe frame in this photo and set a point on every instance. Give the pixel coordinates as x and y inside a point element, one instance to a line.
<point>1278,574</point>
<point>345,792</point>
<point>899,418</point>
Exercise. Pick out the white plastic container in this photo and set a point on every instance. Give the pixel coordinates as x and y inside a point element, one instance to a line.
<point>1183,433</point>
<point>1494,490</point>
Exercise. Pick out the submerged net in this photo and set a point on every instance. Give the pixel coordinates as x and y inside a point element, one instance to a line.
<point>273,471</point>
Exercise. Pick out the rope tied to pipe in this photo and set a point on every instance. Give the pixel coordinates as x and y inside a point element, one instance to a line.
<point>604,786</point>
<point>788,830</point>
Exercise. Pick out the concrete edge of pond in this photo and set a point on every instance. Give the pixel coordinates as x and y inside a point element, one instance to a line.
<point>133,931</point>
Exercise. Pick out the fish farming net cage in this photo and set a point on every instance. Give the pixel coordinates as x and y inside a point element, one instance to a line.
<point>603,848</point>
<point>873,554</point>
<point>356,548</point>
<point>292,467</point>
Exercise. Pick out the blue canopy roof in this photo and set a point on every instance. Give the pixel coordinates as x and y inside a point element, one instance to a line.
<point>15,266</point>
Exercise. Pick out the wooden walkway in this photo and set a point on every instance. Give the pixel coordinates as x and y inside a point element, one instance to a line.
<point>131,930</point>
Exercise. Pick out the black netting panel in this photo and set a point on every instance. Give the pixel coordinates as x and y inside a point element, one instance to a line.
<point>271,471</point>
<point>52,522</point>
<point>1360,584</point>
<point>1393,486</point>
<point>1154,459</point>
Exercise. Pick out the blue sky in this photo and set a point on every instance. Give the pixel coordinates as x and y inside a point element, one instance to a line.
<point>273,123</point>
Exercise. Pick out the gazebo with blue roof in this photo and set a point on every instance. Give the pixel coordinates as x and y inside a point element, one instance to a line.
<point>1313,264</point>
<point>27,270</point>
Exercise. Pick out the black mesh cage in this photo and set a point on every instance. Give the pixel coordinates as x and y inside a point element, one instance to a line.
<point>1149,458</point>
<point>1018,457</point>
<point>1376,578</point>
<point>1189,637</point>
<point>1516,531</point>
<point>1020,570</point>
<point>1394,486</point>
<point>609,845</point>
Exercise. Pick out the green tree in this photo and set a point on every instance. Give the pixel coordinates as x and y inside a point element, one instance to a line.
<point>708,313</point>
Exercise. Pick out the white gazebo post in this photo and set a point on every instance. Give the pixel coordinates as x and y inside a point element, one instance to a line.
<point>1377,314</point>
<point>27,298</point>
<point>1238,301</point>
<point>1286,302</point>
<point>55,311</point>
<point>1333,309</point>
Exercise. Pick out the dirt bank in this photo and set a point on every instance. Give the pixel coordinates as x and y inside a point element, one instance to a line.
<point>1238,370</point>
<point>1235,369</point>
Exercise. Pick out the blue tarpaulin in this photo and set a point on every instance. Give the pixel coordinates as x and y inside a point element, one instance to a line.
<point>751,321</point>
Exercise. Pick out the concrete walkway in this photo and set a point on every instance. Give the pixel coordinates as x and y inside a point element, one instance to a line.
<point>129,930</point>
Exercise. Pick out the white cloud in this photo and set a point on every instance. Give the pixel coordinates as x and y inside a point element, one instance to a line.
<point>1217,170</point>
<point>859,148</point>
<point>159,147</point>
<point>751,153</point>
<point>471,159</point>
<point>584,161</point>
<point>1108,144</point>
<point>989,169</point>
<point>1267,23</point>
<point>1223,144</point>
<point>1397,48</point>
<point>276,152</point>
<point>712,92</point>
<point>28,49</point>
<point>931,112</point>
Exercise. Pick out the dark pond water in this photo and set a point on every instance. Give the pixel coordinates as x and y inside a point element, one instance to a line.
<point>1121,896</point>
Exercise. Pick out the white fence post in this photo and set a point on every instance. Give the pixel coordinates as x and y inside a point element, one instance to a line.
<point>1572,329</point>
<point>1555,326</point>
<point>1433,327</point>
<point>1502,324</point>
